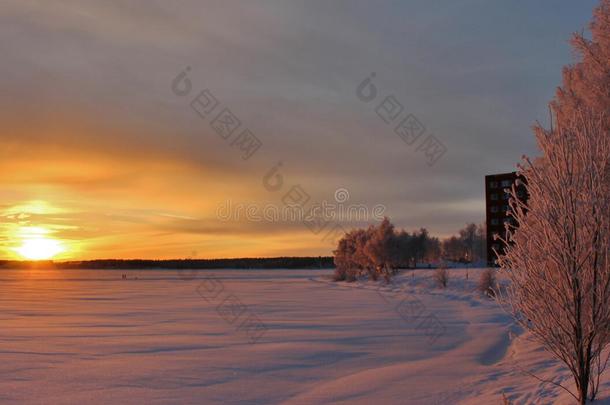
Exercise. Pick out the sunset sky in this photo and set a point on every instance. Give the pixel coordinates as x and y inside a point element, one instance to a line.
<point>101,159</point>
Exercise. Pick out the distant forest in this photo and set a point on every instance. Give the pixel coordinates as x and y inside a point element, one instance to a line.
<point>321,262</point>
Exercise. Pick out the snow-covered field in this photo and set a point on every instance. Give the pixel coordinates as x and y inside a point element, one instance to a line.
<point>288,337</point>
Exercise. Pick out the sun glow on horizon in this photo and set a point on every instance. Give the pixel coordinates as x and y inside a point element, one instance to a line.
<point>36,245</point>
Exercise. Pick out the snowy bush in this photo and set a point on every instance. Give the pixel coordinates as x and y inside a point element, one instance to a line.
<point>487,282</point>
<point>441,277</point>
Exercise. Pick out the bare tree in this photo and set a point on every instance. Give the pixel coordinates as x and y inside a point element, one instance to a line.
<point>453,249</point>
<point>557,260</point>
<point>468,236</point>
<point>480,251</point>
<point>433,249</point>
<point>469,246</point>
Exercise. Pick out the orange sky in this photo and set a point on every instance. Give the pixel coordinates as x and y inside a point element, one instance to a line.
<point>100,159</point>
<point>99,204</point>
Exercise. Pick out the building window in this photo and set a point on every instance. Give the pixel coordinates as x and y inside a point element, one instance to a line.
<point>494,221</point>
<point>506,183</point>
<point>493,197</point>
<point>493,184</point>
<point>494,208</point>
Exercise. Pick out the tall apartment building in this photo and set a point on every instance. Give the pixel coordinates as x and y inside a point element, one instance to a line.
<point>497,210</point>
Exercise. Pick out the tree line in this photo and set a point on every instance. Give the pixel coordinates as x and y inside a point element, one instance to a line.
<point>321,262</point>
<point>379,251</point>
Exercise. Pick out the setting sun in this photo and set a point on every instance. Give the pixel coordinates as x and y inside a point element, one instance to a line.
<point>39,249</point>
<point>37,246</point>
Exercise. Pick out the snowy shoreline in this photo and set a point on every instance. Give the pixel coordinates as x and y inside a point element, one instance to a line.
<point>75,337</point>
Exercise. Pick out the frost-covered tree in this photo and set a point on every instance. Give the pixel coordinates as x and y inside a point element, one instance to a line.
<point>586,83</point>
<point>557,260</point>
<point>350,257</point>
<point>381,249</point>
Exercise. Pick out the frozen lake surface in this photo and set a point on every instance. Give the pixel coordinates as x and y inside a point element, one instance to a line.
<point>260,337</point>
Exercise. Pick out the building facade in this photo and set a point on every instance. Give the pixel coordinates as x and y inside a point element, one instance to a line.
<point>497,209</point>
